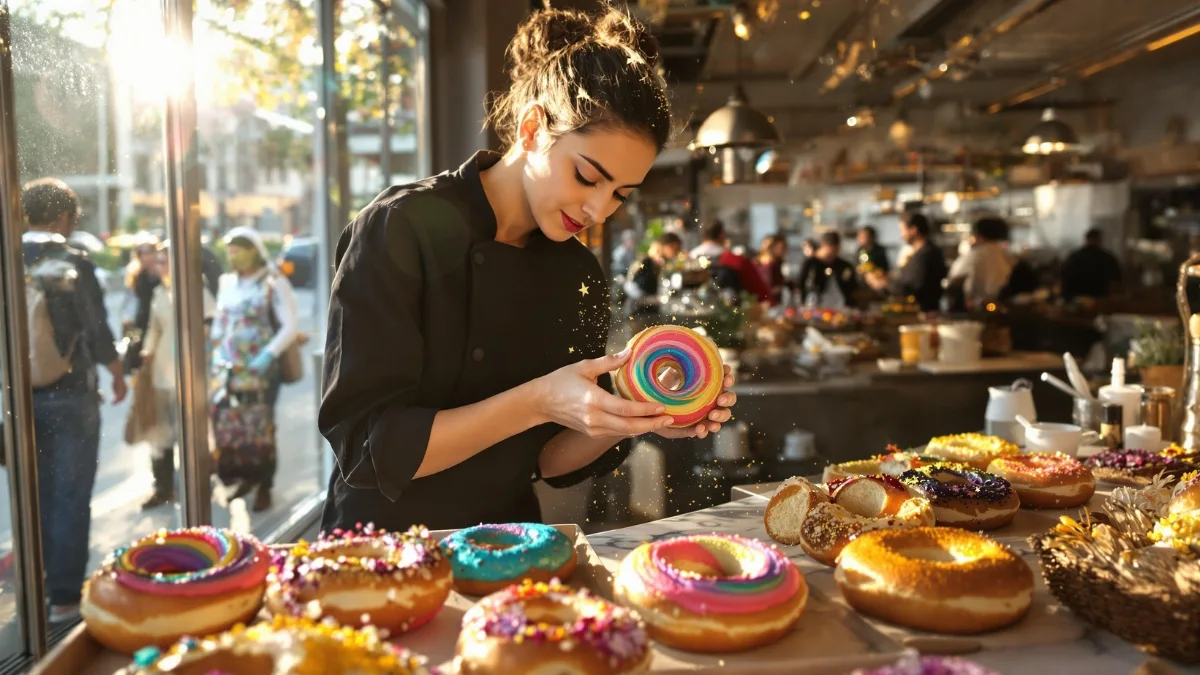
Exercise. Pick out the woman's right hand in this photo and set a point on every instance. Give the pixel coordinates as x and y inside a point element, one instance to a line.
<point>570,396</point>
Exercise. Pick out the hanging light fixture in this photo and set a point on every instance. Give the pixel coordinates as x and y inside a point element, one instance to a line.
<point>741,22</point>
<point>1051,136</point>
<point>736,124</point>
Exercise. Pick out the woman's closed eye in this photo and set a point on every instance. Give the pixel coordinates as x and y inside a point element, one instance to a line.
<point>589,183</point>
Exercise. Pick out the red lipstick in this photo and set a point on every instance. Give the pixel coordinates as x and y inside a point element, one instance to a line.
<point>573,226</point>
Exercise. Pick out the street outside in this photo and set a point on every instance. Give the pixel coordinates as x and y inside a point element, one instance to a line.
<point>124,480</point>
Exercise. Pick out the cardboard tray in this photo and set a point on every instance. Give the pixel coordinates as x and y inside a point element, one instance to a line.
<point>829,639</point>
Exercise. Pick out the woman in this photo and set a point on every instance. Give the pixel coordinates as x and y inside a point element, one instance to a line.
<point>462,305</point>
<point>825,279</point>
<point>255,323</point>
<point>769,263</point>
<point>141,280</point>
<point>159,357</point>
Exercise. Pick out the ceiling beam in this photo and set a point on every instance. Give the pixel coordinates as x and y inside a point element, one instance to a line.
<point>1146,39</point>
<point>970,45</point>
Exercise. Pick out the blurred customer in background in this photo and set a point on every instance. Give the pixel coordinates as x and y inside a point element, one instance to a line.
<point>983,272</point>
<point>920,274</point>
<point>69,337</point>
<point>870,254</point>
<point>643,280</point>
<point>625,254</point>
<point>1091,271</point>
<point>714,242</point>
<point>826,280</point>
<point>771,255</point>
<point>141,278</point>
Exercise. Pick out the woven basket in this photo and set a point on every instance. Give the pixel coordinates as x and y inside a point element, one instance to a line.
<point>1156,621</point>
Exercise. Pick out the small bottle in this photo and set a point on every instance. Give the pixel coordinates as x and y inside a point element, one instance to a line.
<point>1112,427</point>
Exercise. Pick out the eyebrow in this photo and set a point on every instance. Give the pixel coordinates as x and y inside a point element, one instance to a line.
<point>604,172</point>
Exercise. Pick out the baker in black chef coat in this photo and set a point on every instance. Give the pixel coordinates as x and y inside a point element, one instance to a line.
<point>467,326</point>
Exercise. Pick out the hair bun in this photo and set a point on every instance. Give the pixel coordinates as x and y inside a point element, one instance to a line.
<point>618,28</point>
<point>544,33</point>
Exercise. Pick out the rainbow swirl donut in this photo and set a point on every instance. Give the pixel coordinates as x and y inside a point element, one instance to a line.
<point>360,577</point>
<point>486,558</point>
<point>174,583</point>
<point>283,645</point>
<point>549,628</point>
<point>694,357</point>
<point>712,593</point>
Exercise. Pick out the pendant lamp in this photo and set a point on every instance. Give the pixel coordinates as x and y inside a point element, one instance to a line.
<point>1051,136</point>
<point>736,124</point>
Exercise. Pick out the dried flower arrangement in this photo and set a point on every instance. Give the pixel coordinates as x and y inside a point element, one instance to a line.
<point>1130,570</point>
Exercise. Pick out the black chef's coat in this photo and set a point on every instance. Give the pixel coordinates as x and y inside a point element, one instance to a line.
<point>429,312</point>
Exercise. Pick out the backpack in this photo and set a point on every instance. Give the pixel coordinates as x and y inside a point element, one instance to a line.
<point>50,288</point>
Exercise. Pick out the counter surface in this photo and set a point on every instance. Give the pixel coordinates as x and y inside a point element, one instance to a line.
<point>1096,653</point>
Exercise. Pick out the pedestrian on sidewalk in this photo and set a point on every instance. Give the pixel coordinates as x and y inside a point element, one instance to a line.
<point>254,324</point>
<point>69,337</point>
<point>154,419</point>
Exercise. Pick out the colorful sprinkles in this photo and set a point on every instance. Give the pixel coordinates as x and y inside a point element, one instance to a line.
<point>301,647</point>
<point>615,632</point>
<point>929,665</point>
<point>301,568</point>
<point>939,485</point>
<point>194,561</point>
<point>1129,459</point>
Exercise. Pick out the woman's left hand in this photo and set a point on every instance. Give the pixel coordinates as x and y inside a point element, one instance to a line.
<point>259,364</point>
<point>718,416</point>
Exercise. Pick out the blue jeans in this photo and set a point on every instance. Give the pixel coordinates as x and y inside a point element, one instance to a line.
<point>67,429</point>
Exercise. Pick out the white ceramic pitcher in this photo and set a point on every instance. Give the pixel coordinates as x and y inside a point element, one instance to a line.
<point>1004,404</point>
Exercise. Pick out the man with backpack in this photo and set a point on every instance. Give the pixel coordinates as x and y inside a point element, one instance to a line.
<point>69,336</point>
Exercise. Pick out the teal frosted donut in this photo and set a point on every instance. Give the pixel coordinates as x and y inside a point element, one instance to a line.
<point>487,558</point>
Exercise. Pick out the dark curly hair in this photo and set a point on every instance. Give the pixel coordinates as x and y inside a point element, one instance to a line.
<point>586,71</point>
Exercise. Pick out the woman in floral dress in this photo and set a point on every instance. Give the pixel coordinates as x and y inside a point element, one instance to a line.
<point>254,323</point>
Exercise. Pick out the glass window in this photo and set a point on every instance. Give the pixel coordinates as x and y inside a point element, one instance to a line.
<point>256,69</point>
<point>89,133</point>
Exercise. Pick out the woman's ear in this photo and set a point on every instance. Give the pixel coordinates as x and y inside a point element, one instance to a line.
<point>531,128</point>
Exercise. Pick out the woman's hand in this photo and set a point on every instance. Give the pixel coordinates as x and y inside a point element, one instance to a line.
<point>570,396</point>
<point>716,417</point>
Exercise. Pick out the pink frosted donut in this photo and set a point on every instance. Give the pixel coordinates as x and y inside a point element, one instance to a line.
<point>693,356</point>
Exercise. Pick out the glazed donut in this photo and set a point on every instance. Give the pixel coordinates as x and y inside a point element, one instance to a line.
<point>915,664</point>
<point>712,593</point>
<point>174,583</point>
<point>693,356</point>
<point>978,450</point>
<point>1186,497</point>
<point>1133,467</point>
<point>486,558</point>
<point>891,463</point>
<point>1046,480</point>
<point>801,513</point>
<point>281,646</point>
<point>1180,531</point>
<point>965,498</point>
<point>937,579</point>
<point>549,628</point>
<point>360,577</point>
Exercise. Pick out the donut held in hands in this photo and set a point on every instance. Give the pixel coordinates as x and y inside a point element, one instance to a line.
<point>966,498</point>
<point>712,593</point>
<point>1046,480</point>
<point>693,358</point>
<point>487,558</point>
<point>174,583</point>
<point>942,580</point>
<point>803,513</point>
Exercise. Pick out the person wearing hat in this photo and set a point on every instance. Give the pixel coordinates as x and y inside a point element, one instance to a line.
<point>254,323</point>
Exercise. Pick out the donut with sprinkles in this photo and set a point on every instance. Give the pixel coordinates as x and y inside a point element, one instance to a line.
<point>366,576</point>
<point>282,646</point>
<point>174,583</point>
<point>694,358</point>
<point>486,558</point>
<point>966,498</point>
<point>549,628</point>
<point>1046,480</point>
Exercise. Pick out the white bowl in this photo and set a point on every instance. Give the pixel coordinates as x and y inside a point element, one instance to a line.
<point>1052,437</point>
<point>889,365</point>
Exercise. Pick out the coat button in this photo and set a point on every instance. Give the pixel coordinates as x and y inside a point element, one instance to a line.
<point>477,355</point>
<point>478,257</point>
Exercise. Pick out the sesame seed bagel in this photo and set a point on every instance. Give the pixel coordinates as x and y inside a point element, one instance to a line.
<point>977,450</point>
<point>941,580</point>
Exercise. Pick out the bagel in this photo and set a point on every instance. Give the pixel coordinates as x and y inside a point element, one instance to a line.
<point>1046,480</point>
